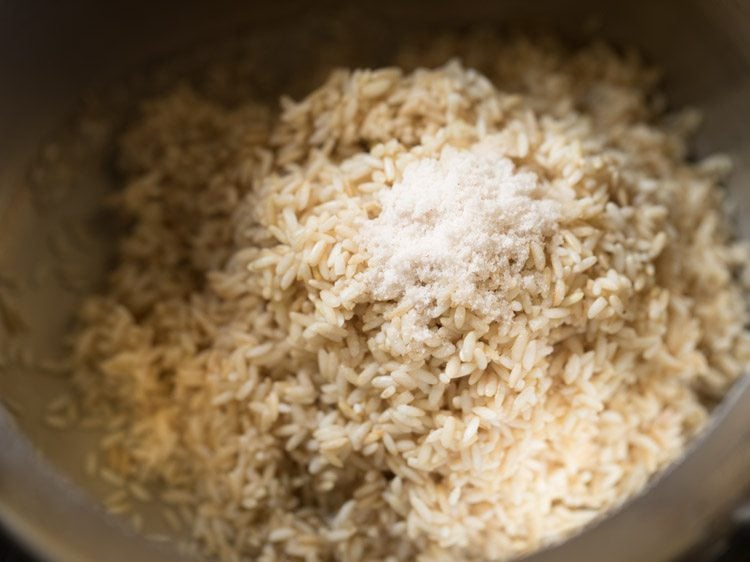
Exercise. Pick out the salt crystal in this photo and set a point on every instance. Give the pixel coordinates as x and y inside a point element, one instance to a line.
<point>456,227</point>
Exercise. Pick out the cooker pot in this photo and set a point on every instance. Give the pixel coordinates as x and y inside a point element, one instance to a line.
<point>52,53</point>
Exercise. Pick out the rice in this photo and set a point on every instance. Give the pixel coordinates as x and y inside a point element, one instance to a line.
<point>286,413</point>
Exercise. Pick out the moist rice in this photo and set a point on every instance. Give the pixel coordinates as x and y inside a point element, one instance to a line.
<point>285,412</point>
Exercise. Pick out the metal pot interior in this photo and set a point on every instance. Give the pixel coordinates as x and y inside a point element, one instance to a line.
<point>53,55</point>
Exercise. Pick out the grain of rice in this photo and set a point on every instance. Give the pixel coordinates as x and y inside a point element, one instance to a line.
<point>172,519</point>
<point>57,421</point>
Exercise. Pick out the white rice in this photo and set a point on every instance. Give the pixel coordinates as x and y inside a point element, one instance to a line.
<point>287,415</point>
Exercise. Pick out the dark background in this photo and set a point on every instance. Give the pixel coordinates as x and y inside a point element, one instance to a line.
<point>10,552</point>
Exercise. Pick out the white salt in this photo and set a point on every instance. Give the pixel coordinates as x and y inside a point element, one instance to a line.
<point>456,229</point>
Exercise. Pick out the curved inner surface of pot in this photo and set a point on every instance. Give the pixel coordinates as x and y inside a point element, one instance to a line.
<point>53,55</point>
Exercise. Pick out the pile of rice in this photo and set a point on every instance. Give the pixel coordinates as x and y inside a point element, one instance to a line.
<point>287,409</point>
